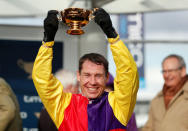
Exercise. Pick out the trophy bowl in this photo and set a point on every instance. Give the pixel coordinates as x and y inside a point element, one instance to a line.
<point>76,18</point>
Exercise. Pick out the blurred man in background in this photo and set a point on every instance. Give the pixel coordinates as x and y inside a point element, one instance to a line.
<point>169,109</point>
<point>10,119</point>
<point>68,79</point>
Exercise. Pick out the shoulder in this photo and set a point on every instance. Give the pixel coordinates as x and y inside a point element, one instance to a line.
<point>185,86</point>
<point>7,104</point>
<point>158,98</point>
<point>185,90</point>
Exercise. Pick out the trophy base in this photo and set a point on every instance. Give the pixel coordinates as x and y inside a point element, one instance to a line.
<point>75,32</point>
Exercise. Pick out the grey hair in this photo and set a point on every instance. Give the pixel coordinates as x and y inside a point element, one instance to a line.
<point>66,77</point>
<point>178,57</point>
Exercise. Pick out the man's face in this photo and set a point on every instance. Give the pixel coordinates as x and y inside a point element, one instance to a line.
<point>92,79</point>
<point>172,73</point>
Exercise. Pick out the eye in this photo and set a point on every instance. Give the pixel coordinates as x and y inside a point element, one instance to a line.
<point>163,71</point>
<point>86,74</point>
<point>98,75</point>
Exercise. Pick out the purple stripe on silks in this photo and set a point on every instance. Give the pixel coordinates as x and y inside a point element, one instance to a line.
<point>131,125</point>
<point>101,116</point>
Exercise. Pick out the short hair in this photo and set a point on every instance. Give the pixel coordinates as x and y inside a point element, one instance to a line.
<point>95,58</point>
<point>66,77</point>
<point>178,57</point>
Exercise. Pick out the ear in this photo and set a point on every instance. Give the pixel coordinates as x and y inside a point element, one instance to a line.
<point>183,72</point>
<point>78,76</point>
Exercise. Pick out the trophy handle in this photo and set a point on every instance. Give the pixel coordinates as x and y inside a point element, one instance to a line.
<point>60,16</point>
<point>91,16</point>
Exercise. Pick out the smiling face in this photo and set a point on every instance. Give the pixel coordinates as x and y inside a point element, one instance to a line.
<point>172,73</point>
<point>92,78</point>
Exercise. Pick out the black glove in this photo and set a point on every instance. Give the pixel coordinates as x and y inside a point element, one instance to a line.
<point>50,26</point>
<point>102,18</point>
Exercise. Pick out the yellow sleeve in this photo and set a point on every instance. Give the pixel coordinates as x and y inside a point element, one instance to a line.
<point>48,87</point>
<point>126,82</point>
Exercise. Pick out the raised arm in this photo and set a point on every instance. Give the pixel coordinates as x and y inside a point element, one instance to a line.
<point>126,82</point>
<point>48,87</point>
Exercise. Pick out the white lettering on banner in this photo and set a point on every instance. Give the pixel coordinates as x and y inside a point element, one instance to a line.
<point>30,129</point>
<point>135,31</point>
<point>23,115</point>
<point>32,99</point>
<point>136,51</point>
<point>135,17</point>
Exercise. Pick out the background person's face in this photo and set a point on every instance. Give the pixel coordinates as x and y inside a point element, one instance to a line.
<point>92,79</point>
<point>172,73</point>
<point>74,89</point>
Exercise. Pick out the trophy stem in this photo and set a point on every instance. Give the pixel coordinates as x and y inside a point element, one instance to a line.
<point>75,28</point>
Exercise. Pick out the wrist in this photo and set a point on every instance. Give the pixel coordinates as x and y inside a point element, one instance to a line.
<point>47,44</point>
<point>114,40</point>
<point>48,37</point>
<point>111,33</point>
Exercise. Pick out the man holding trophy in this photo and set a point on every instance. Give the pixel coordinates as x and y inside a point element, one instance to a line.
<point>94,109</point>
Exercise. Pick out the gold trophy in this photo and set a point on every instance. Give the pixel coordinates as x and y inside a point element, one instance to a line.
<point>76,18</point>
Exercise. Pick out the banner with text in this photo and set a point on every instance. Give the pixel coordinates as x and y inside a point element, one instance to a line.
<point>17,58</point>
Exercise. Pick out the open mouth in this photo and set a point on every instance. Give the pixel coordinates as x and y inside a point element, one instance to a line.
<point>92,89</point>
<point>169,80</point>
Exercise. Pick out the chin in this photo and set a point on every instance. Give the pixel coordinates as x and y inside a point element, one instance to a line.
<point>92,96</point>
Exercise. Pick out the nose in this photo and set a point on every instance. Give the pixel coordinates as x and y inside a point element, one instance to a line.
<point>166,75</point>
<point>92,80</point>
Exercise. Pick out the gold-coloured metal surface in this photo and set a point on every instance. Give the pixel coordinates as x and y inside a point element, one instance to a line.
<point>76,18</point>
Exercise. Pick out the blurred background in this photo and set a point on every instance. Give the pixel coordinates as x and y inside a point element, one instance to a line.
<point>151,29</point>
